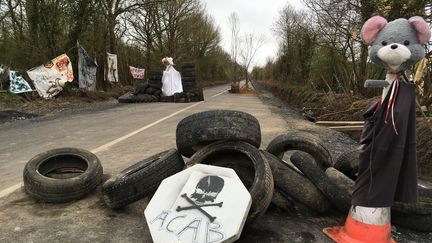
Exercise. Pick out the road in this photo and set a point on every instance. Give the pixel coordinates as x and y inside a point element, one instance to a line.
<point>119,136</point>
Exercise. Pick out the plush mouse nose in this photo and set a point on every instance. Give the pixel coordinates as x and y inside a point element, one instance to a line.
<point>394,46</point>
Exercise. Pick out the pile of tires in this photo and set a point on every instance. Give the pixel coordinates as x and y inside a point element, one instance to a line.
<point>150,91</point>
<point>189,82</point>
<point>69,174</point>
<point>155,79</point>
<point>230,139</point>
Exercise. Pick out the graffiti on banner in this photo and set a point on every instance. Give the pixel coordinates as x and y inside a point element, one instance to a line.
<point>18,84</point>
<point>111,71</point>
<point>87,68</point>
<point>137,73</point>
<point>50,78</point>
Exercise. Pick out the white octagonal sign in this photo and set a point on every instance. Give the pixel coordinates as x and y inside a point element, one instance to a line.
<point>203,203</point>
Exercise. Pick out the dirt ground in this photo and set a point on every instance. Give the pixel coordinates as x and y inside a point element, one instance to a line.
<point>341,107</point>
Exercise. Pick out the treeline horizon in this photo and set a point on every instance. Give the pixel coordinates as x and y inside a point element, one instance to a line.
<point>140,32</point>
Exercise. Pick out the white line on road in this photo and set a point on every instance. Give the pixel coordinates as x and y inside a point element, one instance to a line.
<point>11,189</point>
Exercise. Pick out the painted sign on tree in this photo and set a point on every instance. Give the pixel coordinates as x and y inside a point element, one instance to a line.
<point>111,71</point>
<point>50,78</point>
<point>137,73</point>
<point>18,84</point>
<point>87,68</point>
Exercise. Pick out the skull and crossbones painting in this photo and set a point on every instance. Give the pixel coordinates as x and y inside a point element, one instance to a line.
<point>206,192</point>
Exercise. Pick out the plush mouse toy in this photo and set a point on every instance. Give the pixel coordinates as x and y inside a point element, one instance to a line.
<point>388,168</point>
<point>388,163</point>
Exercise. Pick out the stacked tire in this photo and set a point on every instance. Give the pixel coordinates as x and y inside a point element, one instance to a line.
<point>229,139</point>
<point>189,81</point>
<point>155,79</point>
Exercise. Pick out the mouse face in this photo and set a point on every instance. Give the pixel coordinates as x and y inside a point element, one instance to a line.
<point>396,45</point>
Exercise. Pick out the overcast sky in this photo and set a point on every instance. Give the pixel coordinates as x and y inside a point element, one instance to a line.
<point>256,16</point>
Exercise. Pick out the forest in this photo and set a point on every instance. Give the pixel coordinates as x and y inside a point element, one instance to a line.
<point>319,45</point>
<point>140,32</point>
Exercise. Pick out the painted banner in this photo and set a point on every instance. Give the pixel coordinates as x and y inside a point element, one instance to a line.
<point>137,73</point>
<point>50,78</point>
<point>111,73</point>
<point>86,71</point>
<point>18,84</point>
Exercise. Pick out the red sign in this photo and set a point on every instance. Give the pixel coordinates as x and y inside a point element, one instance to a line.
<point>137,73</point>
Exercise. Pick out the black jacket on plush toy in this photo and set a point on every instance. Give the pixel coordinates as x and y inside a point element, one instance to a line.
<point>388,162</point>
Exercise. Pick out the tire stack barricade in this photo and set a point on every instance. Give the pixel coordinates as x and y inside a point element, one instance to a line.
<point>147,92</point>
<point>191,89</point>
<point>306,180</point>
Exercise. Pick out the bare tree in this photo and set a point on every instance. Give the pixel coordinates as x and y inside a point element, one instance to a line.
<point>251,43</point>
<point>234,24</point>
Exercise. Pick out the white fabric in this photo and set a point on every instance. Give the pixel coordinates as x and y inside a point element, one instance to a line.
<point>50,78</point>
<point>111,70</point>
<point>171,81</point>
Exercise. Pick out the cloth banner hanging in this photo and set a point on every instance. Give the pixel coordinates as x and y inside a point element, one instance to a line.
<point>86,71</point>
<point>111,71</point>
<point>18,84</point>
<point>50,78</point>
<point>137,73</point>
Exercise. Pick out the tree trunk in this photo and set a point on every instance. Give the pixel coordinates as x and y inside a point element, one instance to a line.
<point>112,38</point>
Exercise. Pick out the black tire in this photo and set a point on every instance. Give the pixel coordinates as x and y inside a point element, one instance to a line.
<point>142,98</point>
<point>412,221</point>
<point>141,179</point>
<point>62,175</point>
<point>140,88</point>
<point>126,98</point>
<point>292,183</point>
<point>188,65</point>
<point>206,127</point>
<point>348,163</point>
<point>181,100</point>
<point>189,79</point>
<point>187,85</point>
<point>336,195</point>
<point>167,99</point>
<point>188,69</point>
<point>340,179</point>
<point>190,74</point>
<point>155,74</point>
<point>237,154</point>
<point>157,86</point>
<point>200,94</point>
<point>158,93</point>
<point>151,91</point>
<point>191,90</point>
<point>283,201</point>
<point>302,141</point>
<point>424,200</point>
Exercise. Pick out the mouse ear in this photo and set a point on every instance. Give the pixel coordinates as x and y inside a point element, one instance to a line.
<point>371,29</point>
<point>422,28</point>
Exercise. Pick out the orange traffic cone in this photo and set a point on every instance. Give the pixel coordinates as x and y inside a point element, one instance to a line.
<point>356,231</point>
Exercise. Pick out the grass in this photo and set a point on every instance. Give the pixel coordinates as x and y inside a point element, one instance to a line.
<point>9,100</point>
